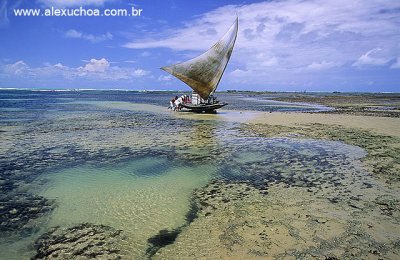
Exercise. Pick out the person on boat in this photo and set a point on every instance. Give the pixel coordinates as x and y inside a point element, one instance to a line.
<point>187,100</point>
<point>178,102</point>
<point>172,104</point>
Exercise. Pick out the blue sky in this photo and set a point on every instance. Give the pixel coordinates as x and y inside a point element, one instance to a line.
<point>286,45</point>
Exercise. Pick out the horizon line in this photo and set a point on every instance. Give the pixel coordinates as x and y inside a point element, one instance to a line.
<point>223,91</point>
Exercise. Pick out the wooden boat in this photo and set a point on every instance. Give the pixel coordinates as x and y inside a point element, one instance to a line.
<point>204,107</point>
<point>203,73</point>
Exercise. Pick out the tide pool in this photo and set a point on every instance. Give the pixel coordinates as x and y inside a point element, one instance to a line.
<point>140,197</point>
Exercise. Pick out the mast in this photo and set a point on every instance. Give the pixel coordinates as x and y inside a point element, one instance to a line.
<point>204,72</point>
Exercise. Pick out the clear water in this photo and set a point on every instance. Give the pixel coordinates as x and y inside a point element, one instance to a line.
<point>140,197</point>
<point>39,100</point>
<point>110,158</point>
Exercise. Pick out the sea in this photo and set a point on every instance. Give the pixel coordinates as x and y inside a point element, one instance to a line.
<point>119,160</point>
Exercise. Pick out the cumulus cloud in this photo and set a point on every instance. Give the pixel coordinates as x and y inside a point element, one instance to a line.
<point>291,36</point>
<point>97,65</point>
<point>72,3</point>
<point>140,73</point>
<point>89,37</point>
<point>17,68</point>
<point>95,69</point>
<point>73,34</point>
<point>322,65</point>
<point>371,57</point>
<point>165,78</point>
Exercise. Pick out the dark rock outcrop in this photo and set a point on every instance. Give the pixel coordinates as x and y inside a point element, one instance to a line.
<point>85,241</point>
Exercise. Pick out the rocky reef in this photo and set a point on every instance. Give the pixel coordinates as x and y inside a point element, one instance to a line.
<point>84,241</point>
<point>21,211</point>
<point>237,220</point>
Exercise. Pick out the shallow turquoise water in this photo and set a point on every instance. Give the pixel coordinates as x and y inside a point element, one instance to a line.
<point>141,197</point>
<point>112,163</point>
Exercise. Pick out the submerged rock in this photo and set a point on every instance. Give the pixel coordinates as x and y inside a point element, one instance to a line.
<point>163,238</point>
<point>19,211</point>
<point>84,241</point>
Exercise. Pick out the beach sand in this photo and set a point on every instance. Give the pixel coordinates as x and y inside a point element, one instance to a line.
<point>380,125</point>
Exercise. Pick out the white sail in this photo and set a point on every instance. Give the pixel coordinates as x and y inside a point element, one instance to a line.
<point>204,72</point>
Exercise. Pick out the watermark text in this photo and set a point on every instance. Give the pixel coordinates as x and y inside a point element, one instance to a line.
<point>77,12</point>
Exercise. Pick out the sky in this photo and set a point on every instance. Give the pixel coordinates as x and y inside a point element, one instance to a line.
<point>282,45</point>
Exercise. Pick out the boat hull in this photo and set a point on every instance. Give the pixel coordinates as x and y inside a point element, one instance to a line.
<point>204,108</point>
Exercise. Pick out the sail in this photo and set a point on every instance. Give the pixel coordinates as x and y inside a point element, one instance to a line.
<point>204,72</point>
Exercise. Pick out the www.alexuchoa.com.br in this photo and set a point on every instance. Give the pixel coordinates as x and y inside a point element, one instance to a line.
<point>76,12</point>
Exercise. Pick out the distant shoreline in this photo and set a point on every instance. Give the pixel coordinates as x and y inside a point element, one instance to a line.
<point>185,91</point>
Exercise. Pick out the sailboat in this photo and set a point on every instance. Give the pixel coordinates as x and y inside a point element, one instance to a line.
<point>203,73</point>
